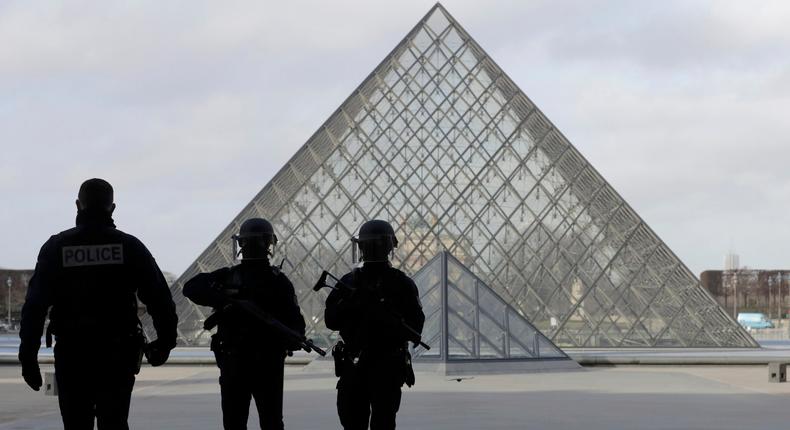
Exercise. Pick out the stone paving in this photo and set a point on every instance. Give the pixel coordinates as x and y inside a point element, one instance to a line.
<point>606,398</point>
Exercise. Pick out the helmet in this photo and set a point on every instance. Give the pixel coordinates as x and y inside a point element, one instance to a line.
<point>376,241</point>
<point>377,229</point>
<point>255,237</point>
<point>256,227</point>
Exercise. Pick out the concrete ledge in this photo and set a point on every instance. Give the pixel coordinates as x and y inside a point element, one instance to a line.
<point>179,356</point>
<point>482,367</point>
<point>679,357</point>
<point>584,357</point>
<point>477,367</point>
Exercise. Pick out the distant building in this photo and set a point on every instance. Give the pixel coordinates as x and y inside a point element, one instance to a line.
<point>731,261</point>
<point>750,290</point>
<point>19,280</point>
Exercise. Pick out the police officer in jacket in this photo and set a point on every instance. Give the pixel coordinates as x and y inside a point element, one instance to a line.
<point>250,354</point>
<point>372,359</point>
<point>89,279</point>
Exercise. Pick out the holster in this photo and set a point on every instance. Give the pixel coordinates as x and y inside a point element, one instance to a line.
<point>220,348</point>
<point>339,356</point>
<point>216,344</point>
<point>346,359</point>
<point>408,369</point>
<point>140,343</point>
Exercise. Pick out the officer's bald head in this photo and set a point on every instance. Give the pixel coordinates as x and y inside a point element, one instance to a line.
<point>96,194</point>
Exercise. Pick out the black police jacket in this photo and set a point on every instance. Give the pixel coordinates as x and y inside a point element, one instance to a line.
<point>366,318</point>
<point>259,282</point>
<point>91,276</point>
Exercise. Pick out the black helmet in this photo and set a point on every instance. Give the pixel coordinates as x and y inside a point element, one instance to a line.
<point>376,240</point>
<point>256,227</point>
<point>377,229</point>
<point>255,236</point>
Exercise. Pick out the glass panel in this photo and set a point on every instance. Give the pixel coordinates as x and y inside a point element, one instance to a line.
<point>522,336</point>
<point>548,350</point>
<point>461,337</point>
<point>492,338</point>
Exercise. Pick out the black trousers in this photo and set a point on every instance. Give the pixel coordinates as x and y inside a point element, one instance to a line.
<point>245,375</point>
<point>364,397</point>
<point>95,385</point>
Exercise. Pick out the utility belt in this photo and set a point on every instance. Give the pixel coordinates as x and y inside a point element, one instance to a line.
<point>130,346</point>
<point>221,343</point>
<point>237,359</point>
<point>350,360</point>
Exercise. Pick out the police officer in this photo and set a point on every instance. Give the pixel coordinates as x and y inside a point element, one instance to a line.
<point>372,359</point>
<point>91,276</point>
<point>250,355</point>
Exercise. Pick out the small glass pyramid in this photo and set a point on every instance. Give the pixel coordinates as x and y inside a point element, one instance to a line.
<point>466,320</point>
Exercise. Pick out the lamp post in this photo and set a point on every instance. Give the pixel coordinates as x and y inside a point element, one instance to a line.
<point>9,283</point>
<point>771,297</point>
<point>782,309</point>
<point>735,302</point>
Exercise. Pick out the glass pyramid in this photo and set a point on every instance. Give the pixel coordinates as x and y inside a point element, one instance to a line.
<point>440,142</point>
<point>467,320</point>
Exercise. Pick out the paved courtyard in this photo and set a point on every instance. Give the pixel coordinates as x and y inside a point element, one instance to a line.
<point>606,398</point>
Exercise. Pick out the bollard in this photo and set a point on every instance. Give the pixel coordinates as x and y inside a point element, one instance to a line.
<point>50,384</point>
<point>777,372</point>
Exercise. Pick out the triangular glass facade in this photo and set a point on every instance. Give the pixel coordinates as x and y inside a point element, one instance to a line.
<point>467,320</point>
<point>440,142</point>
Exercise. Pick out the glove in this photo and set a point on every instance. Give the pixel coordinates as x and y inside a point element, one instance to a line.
<point>32,374</point>
<point>292,346</point>
<point>158,351</point>
<point>28,356</point>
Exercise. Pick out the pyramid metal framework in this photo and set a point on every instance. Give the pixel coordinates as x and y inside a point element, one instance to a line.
<point>440,142</point>
<point>466,320</point>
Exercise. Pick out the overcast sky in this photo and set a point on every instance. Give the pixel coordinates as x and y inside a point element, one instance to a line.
<point>189,108</point>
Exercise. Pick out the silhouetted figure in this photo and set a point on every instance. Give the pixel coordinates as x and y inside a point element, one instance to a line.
<point>91,277</point>
<point>249,353</point>
<point>373,359</point>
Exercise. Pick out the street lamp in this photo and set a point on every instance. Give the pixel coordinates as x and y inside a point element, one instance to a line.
<point>735,303</point>
<point>9,283</point>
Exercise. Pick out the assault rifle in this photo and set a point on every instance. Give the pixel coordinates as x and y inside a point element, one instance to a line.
<point>262,316</point>
<point>416,338</point>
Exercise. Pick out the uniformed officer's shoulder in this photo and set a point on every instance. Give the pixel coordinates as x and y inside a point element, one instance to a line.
<point>132,246</point>
<point>127,239</point>
<point>399,274</point>
<point>222,271</point>
<point>349,277</point>
<point>63,235</point>
<point>53,241</point>
<point>279,275</point>
<point>403,278</point>
<point>59,239</point>
<point>221,275</point>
